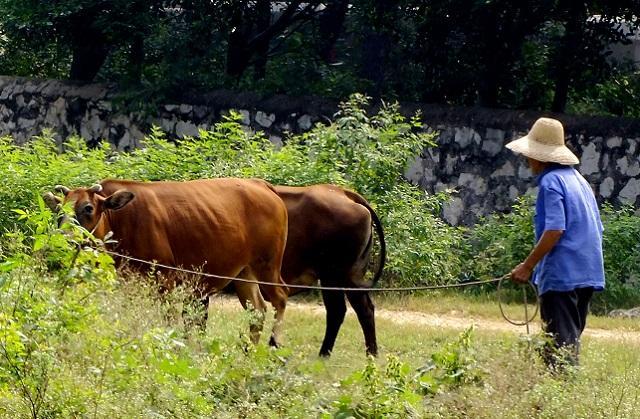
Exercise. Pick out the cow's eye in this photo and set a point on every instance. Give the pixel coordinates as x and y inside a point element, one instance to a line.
<point>88,209</point>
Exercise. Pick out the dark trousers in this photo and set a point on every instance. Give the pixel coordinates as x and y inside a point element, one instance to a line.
<point>564,314</point>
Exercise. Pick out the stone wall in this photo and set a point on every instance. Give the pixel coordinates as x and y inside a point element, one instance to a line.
<point>470,156</point>
<point>95,111</point>
<point>473,161</point>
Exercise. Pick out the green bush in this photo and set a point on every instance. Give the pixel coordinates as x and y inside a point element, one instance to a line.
<point>397,391</point>
<point>498,243</point>
<point>75,343</point>
<point>452,366</point>
<point>621,243</point>
<point>501,241</point>
<point>45,285</point>
<point>614,96</point>
<point>359,151</point>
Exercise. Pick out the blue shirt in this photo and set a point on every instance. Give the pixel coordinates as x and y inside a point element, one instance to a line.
<point>566,202</point>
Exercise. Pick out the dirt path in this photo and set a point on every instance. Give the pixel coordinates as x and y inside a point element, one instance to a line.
<point>404,317</point>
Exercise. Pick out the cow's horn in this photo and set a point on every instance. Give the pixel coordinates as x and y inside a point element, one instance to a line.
<point>63,189</point>
<point>51,201</point>
<point>97,188</point>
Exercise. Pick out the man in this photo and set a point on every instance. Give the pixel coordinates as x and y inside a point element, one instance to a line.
<point>567,258</point>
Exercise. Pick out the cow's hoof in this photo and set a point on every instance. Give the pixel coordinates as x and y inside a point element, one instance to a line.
<point>273,342</point>
<point>324,354</point>
<point>372,352</point>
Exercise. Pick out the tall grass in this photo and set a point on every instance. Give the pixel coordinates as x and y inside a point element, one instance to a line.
<point>76,342</point>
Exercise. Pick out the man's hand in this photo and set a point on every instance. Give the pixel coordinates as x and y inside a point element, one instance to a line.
<point>521,274</point>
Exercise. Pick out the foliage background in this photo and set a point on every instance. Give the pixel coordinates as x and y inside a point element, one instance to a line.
<point>543,55</point>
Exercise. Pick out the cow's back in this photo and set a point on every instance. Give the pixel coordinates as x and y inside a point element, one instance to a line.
<point>219,225</point>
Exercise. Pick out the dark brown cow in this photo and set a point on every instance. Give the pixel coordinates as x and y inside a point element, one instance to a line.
<point>229,227</point>
<point>330,239</point>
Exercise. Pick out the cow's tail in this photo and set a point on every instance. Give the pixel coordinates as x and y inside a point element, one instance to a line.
<point>359,199</point>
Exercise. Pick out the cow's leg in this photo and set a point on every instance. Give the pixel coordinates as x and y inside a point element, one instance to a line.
<point>195,309</point>
<point>364,308</point>
<point>203,304</point>
<point>195,313</point>
<point>250,298</point>
<point>336,309</point>
<point>277,295</point>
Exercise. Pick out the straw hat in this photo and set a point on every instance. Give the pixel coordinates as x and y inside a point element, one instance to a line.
<point>545,142</point>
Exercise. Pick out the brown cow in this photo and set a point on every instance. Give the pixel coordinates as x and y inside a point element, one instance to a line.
<point>330,239</point>
<point>228,227</point>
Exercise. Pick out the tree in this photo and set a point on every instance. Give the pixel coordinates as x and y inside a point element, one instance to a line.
<point>330,27</point>
<point>88,29</point>
<point>255,24</point>
<point>538,54</point>
<point>499,29</point>
<point>581,50</point>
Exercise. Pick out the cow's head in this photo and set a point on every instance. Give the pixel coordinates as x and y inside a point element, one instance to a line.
<point>89,204</point>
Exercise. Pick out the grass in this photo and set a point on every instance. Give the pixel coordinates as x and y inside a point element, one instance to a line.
<point>515,383</point>
<point>137,359</point>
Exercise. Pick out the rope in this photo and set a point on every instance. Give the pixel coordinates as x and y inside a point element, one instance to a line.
<point>363,289</point>
<point>306,287</point>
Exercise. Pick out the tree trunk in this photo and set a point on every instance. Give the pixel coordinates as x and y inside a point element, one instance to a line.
<point>568,55</point>
<point>331,23</point>
<point>238,53</point>
<point>89,47</point>
<point>490,44</point>
<point>561,91</point>
<point>374,53</point>
<point>376,45</point>
<point>237,56</point>
<point>245,42</point>
<point>136,59</point>
<point>263,20</point>
<point>88,57</point>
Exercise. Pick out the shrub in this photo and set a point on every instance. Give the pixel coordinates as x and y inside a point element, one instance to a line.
<point>621,242</point>
<point>452,366</point>
<point>368,153</point>
<point>615,96</point>
<point>45,283</point>
<point>359,151</point>
<point>371,393</point>
<point>74,342</point>
<point>397,391</point>
<point>501,241</point>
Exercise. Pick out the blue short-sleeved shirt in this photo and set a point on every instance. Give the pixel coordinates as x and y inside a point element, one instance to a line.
<point>566,202</point>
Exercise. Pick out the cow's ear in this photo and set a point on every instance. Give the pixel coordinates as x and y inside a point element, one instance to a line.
<point>118,200</point>
<point>52,201</point>
<point>62,189</point>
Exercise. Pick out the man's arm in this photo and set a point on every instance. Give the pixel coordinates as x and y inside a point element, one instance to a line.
<point>522,272</point>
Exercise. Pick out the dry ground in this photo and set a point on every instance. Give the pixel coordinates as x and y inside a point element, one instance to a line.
<point>450,321</point>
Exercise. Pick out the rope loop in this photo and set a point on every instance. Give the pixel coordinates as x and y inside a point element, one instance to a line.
<point>527,319</point>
